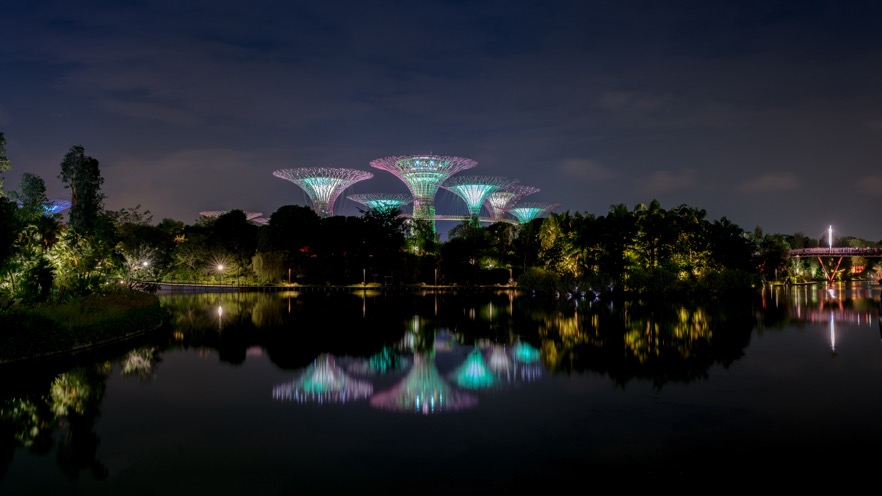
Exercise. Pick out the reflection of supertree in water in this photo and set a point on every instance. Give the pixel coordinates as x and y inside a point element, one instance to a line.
<point>519,363</point>
<point>323,185</point>
<point>475,189</point>
<point>423,175</point>
<point>387,360</point>
<point>473,373</point>
<point>381,201</point>
<point>423,391</point>
<point>323,382</point>
<point>525,352</point>
<point>499,201</point>
<point>525,212</point>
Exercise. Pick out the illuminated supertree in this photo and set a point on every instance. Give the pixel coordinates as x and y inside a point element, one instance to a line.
<point>323,184</point>
<point>423,175</point>
<point>474,189</point>
<point>499,201</point>
<point>323,382</point>
<point>525,212</point>
<point>381,200</point>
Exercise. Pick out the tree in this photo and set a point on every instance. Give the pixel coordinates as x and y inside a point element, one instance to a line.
<point>421,237</point>
<point>619,229</point>
<point>5,164</point>
<point>293,230</point>
<point>80,173</point>
<point>234,235</point>
<point>32,200</point>
<point>382,241</point>
<point>9,227</point>
<point>561,250</point>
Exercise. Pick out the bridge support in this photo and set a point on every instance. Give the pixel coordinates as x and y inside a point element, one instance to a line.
<point>832,274</point>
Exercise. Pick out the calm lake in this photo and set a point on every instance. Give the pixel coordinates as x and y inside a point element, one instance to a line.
<point>458,393</point>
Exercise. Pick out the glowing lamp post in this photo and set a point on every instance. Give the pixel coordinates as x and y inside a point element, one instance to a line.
<point>220,271</point>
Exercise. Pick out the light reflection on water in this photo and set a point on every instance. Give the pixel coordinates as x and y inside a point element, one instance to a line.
<point>278,391</point>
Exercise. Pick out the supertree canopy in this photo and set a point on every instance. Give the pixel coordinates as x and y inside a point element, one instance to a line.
<point>381,200</point>
<point>474,189</point>
<point>423,175</point>
<point>525,212</point>
<point>501,200</point>
<point>323,184</point>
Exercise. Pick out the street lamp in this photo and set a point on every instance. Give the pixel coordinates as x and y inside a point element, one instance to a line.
<point>220,270</point>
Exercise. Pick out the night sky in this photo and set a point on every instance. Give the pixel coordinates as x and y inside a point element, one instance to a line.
<point>767,113</point>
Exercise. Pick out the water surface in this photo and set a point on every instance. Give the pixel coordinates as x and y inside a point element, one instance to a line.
<point>457,393</point>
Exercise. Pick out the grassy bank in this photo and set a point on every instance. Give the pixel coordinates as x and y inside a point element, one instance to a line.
<point>53,329</point>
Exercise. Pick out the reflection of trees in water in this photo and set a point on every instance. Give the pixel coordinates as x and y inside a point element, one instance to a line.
<point>626,340</point>
<point>67,411</point>
<point>658,341</point>
<point>141,362</point>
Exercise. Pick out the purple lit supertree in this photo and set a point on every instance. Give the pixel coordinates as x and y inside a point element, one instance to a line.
<point>525,212</point>
<point>499,201</point>
<point>474,189</point>
<point>382,200</point>
<point>423,175</point>
<point>323,184</point>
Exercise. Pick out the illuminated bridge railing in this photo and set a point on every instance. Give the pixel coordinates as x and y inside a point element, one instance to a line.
<point>836,252</point>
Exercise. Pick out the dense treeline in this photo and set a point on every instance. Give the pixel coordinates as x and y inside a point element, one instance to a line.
<point>641,250</point>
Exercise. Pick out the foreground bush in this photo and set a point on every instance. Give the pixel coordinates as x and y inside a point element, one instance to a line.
<point>47,329</point>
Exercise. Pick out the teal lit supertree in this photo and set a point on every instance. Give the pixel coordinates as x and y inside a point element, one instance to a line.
<point>475,189</point>
<point>323,185</point>
<point>379,201</point>
<point>525,212</point>
<point>423,175</point>
<point>499,201</point>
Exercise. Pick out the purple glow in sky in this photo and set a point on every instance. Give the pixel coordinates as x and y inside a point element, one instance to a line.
<point>767,113</point>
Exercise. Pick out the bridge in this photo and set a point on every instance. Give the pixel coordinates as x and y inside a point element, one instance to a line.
<point>832,251</point>
<point>836,252</point>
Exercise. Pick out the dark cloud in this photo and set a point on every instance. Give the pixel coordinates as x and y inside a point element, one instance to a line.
<point>764,112</point>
